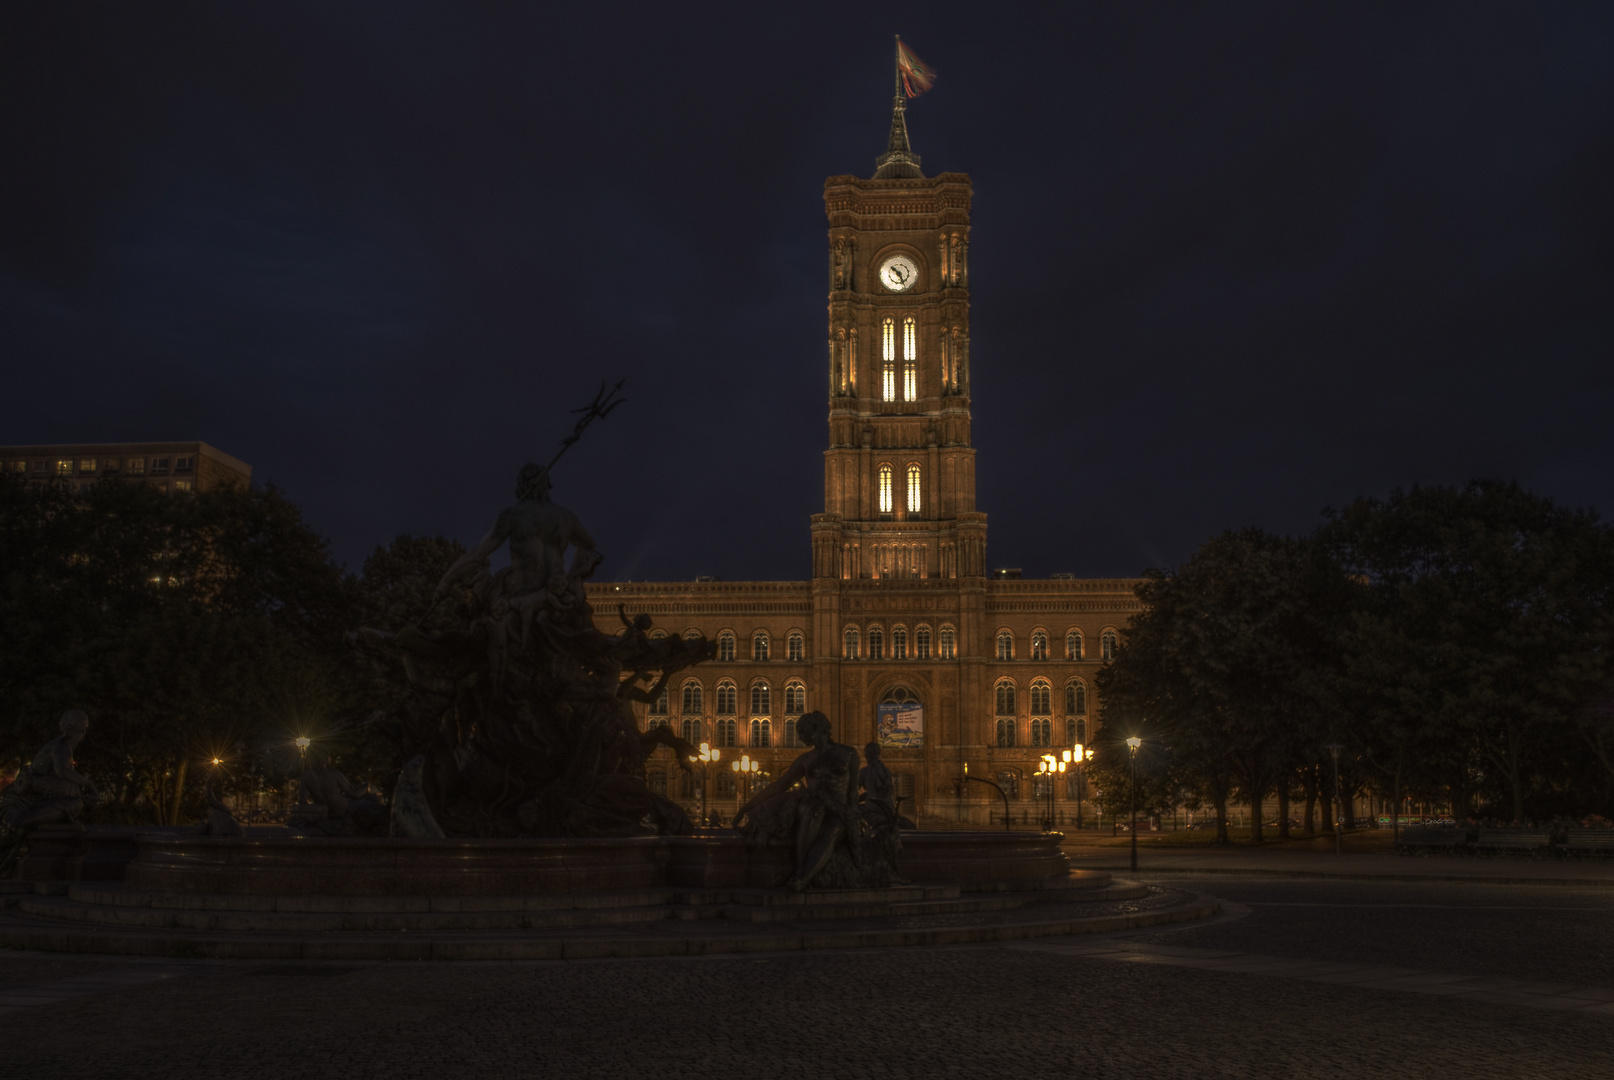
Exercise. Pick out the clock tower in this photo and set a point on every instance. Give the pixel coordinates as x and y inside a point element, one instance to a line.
<point>899,474</point>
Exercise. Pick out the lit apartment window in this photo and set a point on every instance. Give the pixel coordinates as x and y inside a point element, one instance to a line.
<point>137,466</point>
<point>921,643</point>
<point>913,488</point>
<point>885,489</point>
<point>795,646</point>
<point>86,465</point>
<point>910,350</point>
<point>888,366</point>
<point>182,485</point>
<point>64,468</point>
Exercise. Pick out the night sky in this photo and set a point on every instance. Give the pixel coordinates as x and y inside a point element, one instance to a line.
<point>1231,263</point>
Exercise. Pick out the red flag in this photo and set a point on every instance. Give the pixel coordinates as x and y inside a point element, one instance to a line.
<point>917,76</point>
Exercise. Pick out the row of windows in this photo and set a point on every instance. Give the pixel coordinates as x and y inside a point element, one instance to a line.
<point>726,732</point>
<point>1042,697</point>
<point>761,646</point>
<point>692,697</point>
<point>1075,647</point>
<point>914,497</point>
<point>873,647</point>
<point>724,785</point>
<point>65,467</point>
<point>1041,731</point>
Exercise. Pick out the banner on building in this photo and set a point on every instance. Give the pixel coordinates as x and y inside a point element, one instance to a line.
<point>901,724</point>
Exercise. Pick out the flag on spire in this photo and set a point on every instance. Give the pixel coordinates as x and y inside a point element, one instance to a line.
<point>917,76</point>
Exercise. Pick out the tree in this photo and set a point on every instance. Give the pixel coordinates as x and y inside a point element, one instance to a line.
<point>1484,634</point>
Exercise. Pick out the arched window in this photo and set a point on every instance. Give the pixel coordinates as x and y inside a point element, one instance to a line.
<point>910,357</point>
<point>899,643</point>
<point>761,700</point>
<point>1005,645</point>
<point>725,732</point>
<point>657,634</point>
<point>849,640</point>
<point>1071,736</point>
<point>1042,699</point>
<point>1042,732</point>
<point>1005,698</point>
<point>791,737</point>
<point>1107,643</point>
<point>692,635</point>
<point>692,731</point>
<point>1039,646</point>
<point>761,733</point>
<point>795,646</point>
<point>687,788</point>
<point>921,643</point>
<point>692,699</point>
<point>1073,645</point>
<point>946,643</point>
<point>1076,699</point>
<point>795,699</point>
<point>885,489</point>
<point>888,358</point>
<point>725,781</point>
<point>1006,735</point>
<point>876,650</point>
<point>914,498</point>
<point>759,645</point>
<point>726,699</point>
<point>725,646</point>
<point>657,721</point>
<point>660,706</point>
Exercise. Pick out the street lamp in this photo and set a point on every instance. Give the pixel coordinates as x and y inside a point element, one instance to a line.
<point>707,755</point>
<point>1081,756</point>
<point>747,768</point>
<point>1132,745</point>
<point>1333,749</point>
<point>1052,767</point>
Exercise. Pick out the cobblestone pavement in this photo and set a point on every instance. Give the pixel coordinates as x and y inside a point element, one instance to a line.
<point>1070,1007</point>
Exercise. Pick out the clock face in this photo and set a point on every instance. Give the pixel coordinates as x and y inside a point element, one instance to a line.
<point>898,273</point>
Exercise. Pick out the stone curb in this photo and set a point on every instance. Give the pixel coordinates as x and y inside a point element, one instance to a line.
<point>425,947</point>
<point>1206,871</point>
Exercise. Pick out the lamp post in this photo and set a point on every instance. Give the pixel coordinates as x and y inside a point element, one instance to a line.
<point>1132,745</point>
<point>1339,811</point>
<point>707,755</point>
<point>1081,756</point>
<point>746,768</point>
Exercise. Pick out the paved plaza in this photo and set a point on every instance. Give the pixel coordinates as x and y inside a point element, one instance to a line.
<point>1298,978</point>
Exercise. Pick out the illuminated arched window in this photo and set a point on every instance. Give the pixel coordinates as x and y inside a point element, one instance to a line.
<point>885,489</point>
<point>761,733</point>
<point>795,699</point>
<point>850,642</point>
<point>725,646</point>
<point>913,488</point>
<point>921,643</point>
<point>1006,738</point>
<point>761,700</point>
<point>1106,643</point>
<point>1042,732</point>
<point>1039,646</point>
<point>899,644</point>
<point>888,355</point>
<point>725,737</point>
<point>946,644</point>
<point>1005,698</point>
<point>1076,699</point>
<point>910,356</point>
<point>795,646</point>
<point>1042,698</point>
<point>692,699</point>
<point>727,698</point>
<point>876,649</point>
<point>1073,645</point>
<point>1005,645</point>
<point>759,646</point>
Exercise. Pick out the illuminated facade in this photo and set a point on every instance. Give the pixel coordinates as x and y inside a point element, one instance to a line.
<point>901,610</point>
<point>167,466</point>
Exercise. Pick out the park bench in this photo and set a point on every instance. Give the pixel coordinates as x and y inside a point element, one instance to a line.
<point>1513,841</point>
<point>1432,840</point>
<point>1588,842</point>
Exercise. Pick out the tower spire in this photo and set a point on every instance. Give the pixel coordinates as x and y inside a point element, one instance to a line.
<point>899,161</point>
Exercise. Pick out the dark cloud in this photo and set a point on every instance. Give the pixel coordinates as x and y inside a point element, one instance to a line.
<point>1231,263</point>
